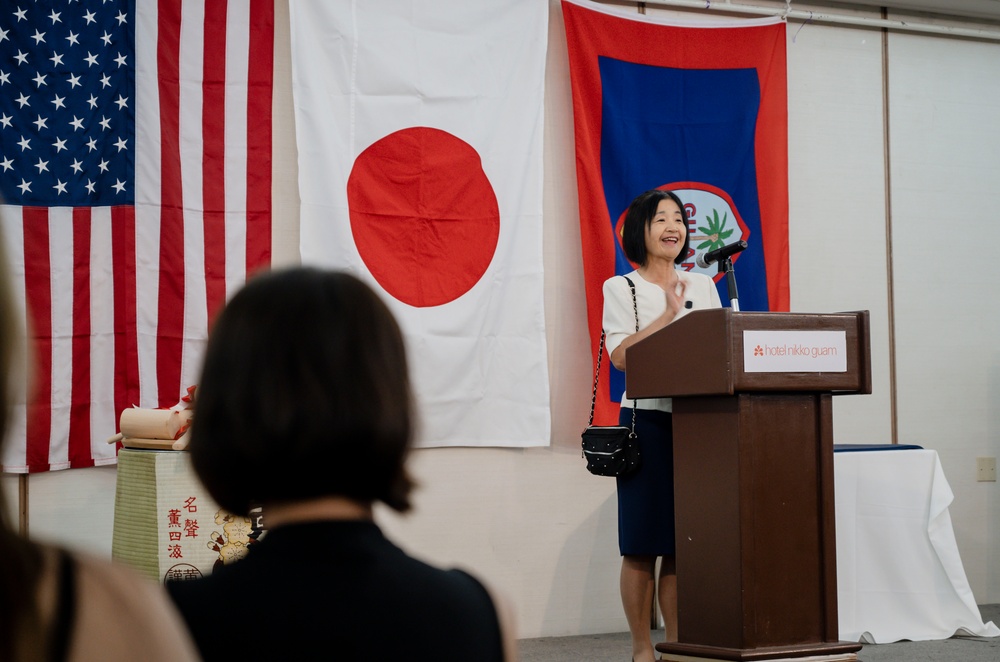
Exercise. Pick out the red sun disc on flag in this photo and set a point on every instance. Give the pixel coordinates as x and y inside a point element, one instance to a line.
<point>423,214</point>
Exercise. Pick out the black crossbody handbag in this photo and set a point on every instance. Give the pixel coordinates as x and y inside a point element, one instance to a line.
<point>611,450</point>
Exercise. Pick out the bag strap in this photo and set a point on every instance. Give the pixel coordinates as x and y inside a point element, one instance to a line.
<point>600,352</point>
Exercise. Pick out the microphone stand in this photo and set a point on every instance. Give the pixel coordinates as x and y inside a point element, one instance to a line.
<point>726,267</point>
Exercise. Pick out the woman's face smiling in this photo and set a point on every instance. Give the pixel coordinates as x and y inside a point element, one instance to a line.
<point>665,232</point>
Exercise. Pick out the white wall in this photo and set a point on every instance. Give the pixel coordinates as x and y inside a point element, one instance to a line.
<point>945,101</point>
<point>532,521</point>
<point>836,228</point>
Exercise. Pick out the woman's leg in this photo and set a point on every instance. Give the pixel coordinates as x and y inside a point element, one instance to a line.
<point>667,595</point>
<point>637,598</point>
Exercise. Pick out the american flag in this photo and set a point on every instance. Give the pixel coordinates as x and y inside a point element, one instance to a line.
<point>135,169</point>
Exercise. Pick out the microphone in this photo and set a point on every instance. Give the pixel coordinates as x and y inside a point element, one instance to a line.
<point>720,253</point>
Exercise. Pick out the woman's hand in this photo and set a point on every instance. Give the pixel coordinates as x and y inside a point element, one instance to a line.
<point>675,301</point>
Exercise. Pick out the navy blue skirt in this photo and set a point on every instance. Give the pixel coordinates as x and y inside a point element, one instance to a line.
<point>646,497</point>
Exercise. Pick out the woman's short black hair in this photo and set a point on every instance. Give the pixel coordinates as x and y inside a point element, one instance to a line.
<point>304,393</point>
<point>638,217</point>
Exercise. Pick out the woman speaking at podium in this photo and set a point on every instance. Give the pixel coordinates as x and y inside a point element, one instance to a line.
<point>655,237</point>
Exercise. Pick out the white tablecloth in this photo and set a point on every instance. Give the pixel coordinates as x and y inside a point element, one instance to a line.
<point>899,573</point>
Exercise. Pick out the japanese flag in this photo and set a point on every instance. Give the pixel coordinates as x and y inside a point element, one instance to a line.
<point>419,132</point>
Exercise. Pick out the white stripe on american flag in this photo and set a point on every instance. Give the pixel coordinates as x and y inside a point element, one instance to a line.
<point>191,66</point>
<point>61,256</point>
<point>147,199</point>
<point>102,339</point>
<point>12,226</point>
<point>237,45</point>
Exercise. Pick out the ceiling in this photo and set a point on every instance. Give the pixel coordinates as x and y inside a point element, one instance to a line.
<point>988,10</point>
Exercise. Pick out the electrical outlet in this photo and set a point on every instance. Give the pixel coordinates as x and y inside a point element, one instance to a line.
<point>986,469</point>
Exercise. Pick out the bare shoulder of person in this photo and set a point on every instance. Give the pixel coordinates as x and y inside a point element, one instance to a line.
<point>121,614</point>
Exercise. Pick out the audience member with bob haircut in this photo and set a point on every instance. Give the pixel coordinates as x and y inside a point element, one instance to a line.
<point>304,409</point>
<point>57,605</point>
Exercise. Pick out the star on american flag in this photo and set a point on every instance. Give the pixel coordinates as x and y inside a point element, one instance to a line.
<point>67,121</point>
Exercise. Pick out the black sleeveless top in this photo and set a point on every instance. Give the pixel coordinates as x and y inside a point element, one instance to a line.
<point>338,591</point>
<point>65,613</point>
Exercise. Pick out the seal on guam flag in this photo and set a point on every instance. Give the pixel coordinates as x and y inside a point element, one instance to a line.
<point>713,222</point>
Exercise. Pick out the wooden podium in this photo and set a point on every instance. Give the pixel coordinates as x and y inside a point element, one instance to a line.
<point>753,476</point>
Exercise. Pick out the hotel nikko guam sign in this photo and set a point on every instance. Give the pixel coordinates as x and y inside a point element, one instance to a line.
<point>794,351</point>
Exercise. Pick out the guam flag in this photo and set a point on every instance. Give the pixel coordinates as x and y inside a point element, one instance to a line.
<point>699,109</point>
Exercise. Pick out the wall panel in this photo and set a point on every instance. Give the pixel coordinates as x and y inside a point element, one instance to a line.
<point>945,101</point>
<point>837,228</point>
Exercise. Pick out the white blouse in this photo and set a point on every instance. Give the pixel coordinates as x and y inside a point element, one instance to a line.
<point>651,302</point>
